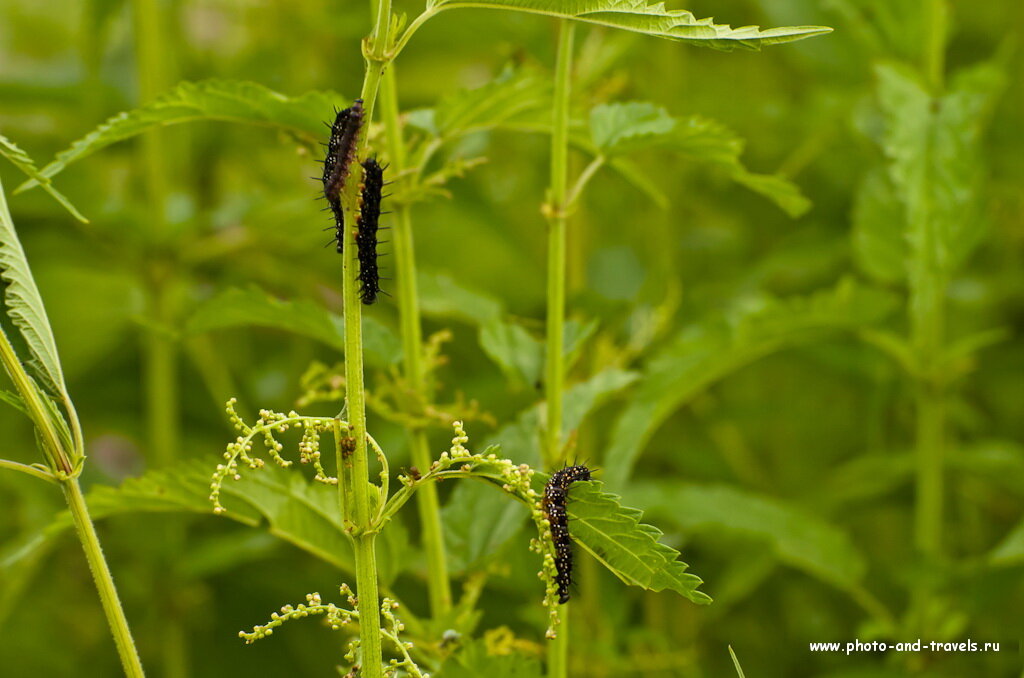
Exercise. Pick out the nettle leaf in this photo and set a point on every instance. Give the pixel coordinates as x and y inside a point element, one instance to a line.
<point>226,100</point>
<point>284,502</point>
<point>442,296</point>
<point>797,537</point>
<point>518,353</point>
<point>639,16</point>
<point>628,127</point>
<point>621,127</point>
<point>630,549</point>
<point>25,305</point>
<point>22,161</point>
<point>720,345</point>
<point>512,93</point>
<point>934,148</point>
<point>236,307</point>
<point>477,522</point>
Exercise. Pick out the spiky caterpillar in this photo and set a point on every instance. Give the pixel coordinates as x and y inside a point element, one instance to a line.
<point>366,233</point>
<point>341,150</point>
<point>555,494</point>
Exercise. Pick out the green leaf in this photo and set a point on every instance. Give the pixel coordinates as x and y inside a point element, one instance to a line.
<point>20,158</point>
<point>633,126</point>
<point>711,350</point>
<point>517,352</point>
<point>473,661</point>
<point>25,305</point>
<point>284,502</point>
<point>582,399</point>
<point>630,549</point>
<point>879,230</point>
<point>236,307</point>
<point>639,16</point>
<point>797,537</point>
<point>736,663</point>
<point>442,296</point>
<point>512,93</point>
<point>14,400</point>
<point>621,127</point>
<point>934,148</point>
<point>477,522</point>
<point>226,100</point>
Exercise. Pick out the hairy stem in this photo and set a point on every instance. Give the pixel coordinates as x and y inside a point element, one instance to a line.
<point>558,648</point>
<point>103,579</point>
<point>412,341</point>
<point>28,470</point>
<point>59,460</point>
<point>362,535</point>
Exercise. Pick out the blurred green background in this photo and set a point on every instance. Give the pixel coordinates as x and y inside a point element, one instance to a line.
<point>785,476</point>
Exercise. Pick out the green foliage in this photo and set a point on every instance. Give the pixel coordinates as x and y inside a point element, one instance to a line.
<point>517,352</point>
<point>252,307</point>
<point>796,537</point>
<point>25,306</point>
<point>708,351</point>
<point>442,296</point>
<point>226,100</point>
<point>511,94</point>
<point>614,535</point>
<point>639,16</point>
<point>622,128</point>
<point>20,159</point>
<point>479,521</point>
<point>473,660</point>
<point>933,145</point>
<point>289,506</point>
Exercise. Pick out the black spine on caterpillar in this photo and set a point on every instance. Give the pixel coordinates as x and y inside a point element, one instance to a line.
<point>555,494</point>
<point>366,234</point>
<point>341,150</point>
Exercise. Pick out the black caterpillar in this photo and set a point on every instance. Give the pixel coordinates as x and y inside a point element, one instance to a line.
<point>366,234</point>
<point>341,149</point>
<point>555,494</point>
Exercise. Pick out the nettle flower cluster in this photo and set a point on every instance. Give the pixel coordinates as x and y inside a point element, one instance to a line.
<point>239,451</point>
<point>517,480</point>
<point>338,618</point>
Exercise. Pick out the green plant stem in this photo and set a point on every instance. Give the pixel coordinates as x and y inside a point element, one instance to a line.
<point>403,246</point>
<point>56,458</point>
<point>63,464</point>
<point>937,22</point>
<point>363,537</point>
<point>558,648</point>
<point>557,194</point>
<point>103,579</point>
<point>29,470</point>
